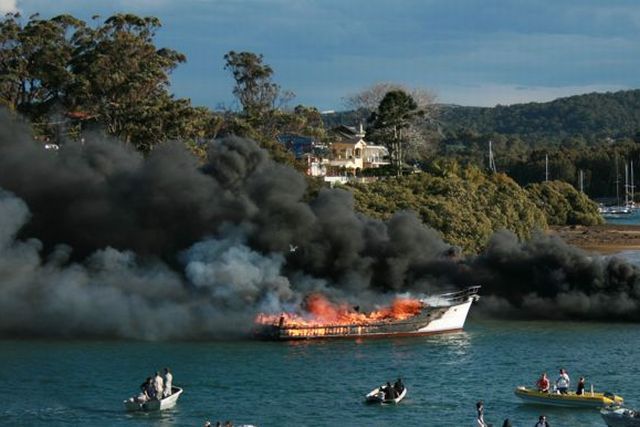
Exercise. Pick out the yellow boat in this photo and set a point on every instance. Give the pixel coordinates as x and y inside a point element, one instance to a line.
<point>586,400</point>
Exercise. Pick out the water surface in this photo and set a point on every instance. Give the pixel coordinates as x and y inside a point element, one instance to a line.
<point>321,383</point>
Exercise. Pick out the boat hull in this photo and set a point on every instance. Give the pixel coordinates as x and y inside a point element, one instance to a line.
<point>432,320</point>
<point>620,417</point>
<point>377,396</point>
<point>569,400</point>
<point>154,405</point>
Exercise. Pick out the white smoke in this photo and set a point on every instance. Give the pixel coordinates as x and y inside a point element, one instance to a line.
<point>8,6</point>
<point>235,275</point>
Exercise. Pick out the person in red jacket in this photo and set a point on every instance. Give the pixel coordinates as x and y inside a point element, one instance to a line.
<point>543,383</point>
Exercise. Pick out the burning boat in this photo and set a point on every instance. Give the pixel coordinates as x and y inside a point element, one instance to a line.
<point>438,314</point>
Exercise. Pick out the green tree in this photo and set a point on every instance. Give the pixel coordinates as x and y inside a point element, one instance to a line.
<point>34,59</point>
<point>562,204</point>
<point>254,89</point>
<point>111,74</point>
<point>391,122</point>
<point>491,202</point>
<point>122,79</point>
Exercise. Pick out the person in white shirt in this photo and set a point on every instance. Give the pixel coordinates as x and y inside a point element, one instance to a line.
<point>563,382</point>
<point>168,381</point>
<point>158,384</point>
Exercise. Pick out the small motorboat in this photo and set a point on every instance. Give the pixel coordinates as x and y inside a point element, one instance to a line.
<point>132,404</point>
<point>617,416</point>
<point>377,395</point>
<point>572,400</point>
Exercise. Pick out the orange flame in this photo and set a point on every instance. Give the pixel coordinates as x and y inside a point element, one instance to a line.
<point>319,311</point>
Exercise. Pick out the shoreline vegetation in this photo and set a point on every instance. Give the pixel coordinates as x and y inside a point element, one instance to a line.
<point>446,181</point>
<point>466,205</point>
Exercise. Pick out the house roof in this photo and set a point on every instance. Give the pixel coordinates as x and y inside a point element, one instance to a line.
<point>349,132</point>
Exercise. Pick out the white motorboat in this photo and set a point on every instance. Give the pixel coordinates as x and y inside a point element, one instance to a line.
<point>620,417</point>
<point>615,211</point>
<point>377,395</point>
<point>132,404</point>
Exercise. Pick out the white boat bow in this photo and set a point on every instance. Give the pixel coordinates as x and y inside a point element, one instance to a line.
<point>377,396</point>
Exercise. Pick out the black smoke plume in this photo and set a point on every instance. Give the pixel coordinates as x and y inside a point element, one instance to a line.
<point>96,240</point>
<point>545,278</point>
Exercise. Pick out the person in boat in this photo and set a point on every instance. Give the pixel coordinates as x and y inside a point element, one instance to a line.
<point>144,395</point>
<point>580,388</point>
<point>542,422</point>
<point>398,386</point>
<point>543,383</point>
<point>168,381</point>
<point>389,392</point>
<point>563,382</point>
<point>149,389</point>
<point>480,414</point>
<point>158,385</point>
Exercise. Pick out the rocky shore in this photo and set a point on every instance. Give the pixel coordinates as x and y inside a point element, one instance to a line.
<point>604,239</point>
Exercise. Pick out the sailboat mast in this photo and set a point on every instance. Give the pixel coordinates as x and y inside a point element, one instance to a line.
<point>546,168</point>
<point>617,183</point>
<point>626,184</point>
<point>581,181</point>
<point>492,163</point>
<point>632,186</point>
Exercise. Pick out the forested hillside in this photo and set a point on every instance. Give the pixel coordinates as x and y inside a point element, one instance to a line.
<point>593,115</point>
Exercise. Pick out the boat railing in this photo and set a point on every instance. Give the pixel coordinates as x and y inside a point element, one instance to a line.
<point>461,296</point>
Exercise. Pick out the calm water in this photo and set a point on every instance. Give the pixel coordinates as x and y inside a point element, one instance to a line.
<point>631,219</point>
<point>69,383</point>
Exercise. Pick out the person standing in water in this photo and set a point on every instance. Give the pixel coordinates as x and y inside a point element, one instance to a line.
<point>542,422</point>
<point>480,415</point>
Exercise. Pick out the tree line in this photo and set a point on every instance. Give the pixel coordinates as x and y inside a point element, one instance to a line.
<point>591,117</point>
<point>68,76</point>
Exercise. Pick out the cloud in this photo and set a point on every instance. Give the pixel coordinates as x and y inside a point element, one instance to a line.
<point>7,6</point>
<point>324,50</point>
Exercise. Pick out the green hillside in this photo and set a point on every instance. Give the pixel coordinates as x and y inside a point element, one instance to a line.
<point>593,115</point>
<point>466,205</point>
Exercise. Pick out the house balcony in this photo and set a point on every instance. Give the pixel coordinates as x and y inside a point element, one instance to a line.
<point>347,164</point>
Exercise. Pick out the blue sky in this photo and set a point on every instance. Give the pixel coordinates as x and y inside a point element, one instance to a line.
<point>469,52</point>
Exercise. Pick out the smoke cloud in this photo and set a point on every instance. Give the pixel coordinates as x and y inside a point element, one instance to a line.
<point>96,240</point>
<point>545,278</point>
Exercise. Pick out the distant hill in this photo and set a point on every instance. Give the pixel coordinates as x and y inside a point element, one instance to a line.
<point>347,118</point>
<point>593,115</point>
<point>611,114</point>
